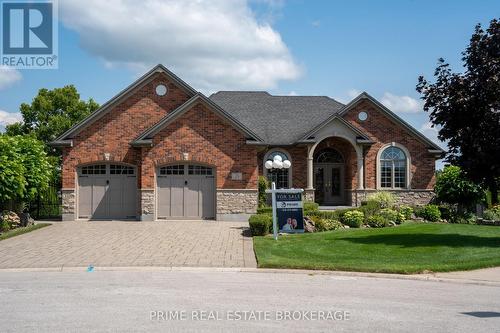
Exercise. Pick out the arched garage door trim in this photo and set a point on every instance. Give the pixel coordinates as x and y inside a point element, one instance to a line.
<point>185,190</point>
<point>106,190</point>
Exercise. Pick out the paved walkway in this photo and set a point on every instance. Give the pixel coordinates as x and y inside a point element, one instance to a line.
<point>116,243</point>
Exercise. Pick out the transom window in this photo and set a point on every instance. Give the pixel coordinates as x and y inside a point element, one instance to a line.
<point>182,169</point>
<point>177,169</point>
<point>329,155</point>
<point>117,169</point>
<point>199,170</point>
<point>393,168</point>
<point>281,177</point>
<point>96,169</point>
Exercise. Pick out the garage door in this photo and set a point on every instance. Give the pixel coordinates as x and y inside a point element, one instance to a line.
<point>107,191</point>
<point>185,191</point>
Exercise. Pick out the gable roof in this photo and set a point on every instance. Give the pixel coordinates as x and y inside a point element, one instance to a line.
<point>145,138</point>
<point>65,138</point>
<point>361,136</point>
<point>278,120</point>
<point>364,95</point>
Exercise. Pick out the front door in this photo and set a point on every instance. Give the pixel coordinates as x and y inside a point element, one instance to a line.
<point>329,184</point>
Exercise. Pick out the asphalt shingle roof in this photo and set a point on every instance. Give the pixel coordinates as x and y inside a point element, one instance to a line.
<point>279,120</point>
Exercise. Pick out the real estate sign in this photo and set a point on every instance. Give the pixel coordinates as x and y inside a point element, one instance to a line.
<point>289,211</point>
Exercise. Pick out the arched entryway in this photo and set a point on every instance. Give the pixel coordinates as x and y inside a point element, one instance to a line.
<point>329,181</point>
<point>336,165</point>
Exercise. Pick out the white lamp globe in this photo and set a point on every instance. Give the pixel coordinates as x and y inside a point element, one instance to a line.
<point>277,164</point>
<point>278,158</point>
<point>287,164</point>
<point>269,164</point>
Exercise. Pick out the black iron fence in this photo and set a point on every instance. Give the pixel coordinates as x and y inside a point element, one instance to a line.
<point>48,205</point>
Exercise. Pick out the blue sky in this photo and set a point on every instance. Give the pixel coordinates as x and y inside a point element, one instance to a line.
<point>333,48</point>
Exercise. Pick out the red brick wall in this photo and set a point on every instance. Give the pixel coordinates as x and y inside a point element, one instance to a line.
<point>208,139</point>
<point>117,128</point>
<point>383,130</point>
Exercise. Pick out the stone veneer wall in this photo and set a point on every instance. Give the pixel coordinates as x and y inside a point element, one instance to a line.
<point>147,204</point>
<point>403,197</point>
<point>237,201</point>
<point>68,204</point>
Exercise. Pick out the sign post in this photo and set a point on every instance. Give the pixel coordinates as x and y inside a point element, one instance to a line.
<point>288,213</point>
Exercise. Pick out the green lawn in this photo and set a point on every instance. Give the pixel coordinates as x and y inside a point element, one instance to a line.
<point>20,231</point>
<point>410,248</point>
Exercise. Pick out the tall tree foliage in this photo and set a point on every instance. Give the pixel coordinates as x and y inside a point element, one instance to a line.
<point>51,113</point>
<point>467,108</point>
<point>24,168</point>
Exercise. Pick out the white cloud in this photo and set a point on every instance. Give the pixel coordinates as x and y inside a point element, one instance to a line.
<point>347,96</point>
<point>211,44</point>
<point>8,76</point>
<point>401,104</point>
<point>316,23</point>
<point>7,118</point>
<point>432,133</point>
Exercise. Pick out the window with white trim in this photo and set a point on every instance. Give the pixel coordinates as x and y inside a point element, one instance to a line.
<point>393,168</point>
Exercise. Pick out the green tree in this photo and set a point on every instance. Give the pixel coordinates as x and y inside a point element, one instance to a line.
<point>467,108</point>
<point>25,170</point>
<point>454,188</point>
<point>51,113</point>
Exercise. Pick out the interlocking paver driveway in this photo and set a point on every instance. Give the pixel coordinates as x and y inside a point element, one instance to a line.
<point>124,244</point>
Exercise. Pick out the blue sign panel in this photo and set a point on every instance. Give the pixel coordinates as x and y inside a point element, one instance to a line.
<point>289,212</point>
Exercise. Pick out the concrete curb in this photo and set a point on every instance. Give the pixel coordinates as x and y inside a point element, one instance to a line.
<point>416,277</point>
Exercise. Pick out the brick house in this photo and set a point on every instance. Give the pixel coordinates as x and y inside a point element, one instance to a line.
<point>161,150</point>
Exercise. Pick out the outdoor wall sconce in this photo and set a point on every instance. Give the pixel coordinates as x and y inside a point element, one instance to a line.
<point>277,163</point>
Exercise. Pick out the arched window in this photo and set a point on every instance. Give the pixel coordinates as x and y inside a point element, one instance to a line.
<point>329,155</point>
<point>281,177</point>
<point>393,168</point>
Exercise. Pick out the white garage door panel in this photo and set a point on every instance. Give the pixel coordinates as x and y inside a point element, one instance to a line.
<point>99,205</point>
<point>191,197</point>
<point>184,195</point>
<point>85,197</point>
<point>176,197</point>
<point>105,194</point>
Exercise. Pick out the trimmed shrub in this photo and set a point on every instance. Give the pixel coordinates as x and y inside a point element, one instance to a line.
<point>385,199</point>
<point>265,210</point>
<point>353,218</point>
<point>370,208</point>
<point>407,211</point>
<point>331,214</point>
<point>391,215</point>
<point>377,221</point>
<point>310,208</point>
<point>429,212</point>
<point>263,186</point>
<point>4,225</point>
<point>463,218</point>
<point>260,224</point>
<point>326,224</point>
<point>491,215</point>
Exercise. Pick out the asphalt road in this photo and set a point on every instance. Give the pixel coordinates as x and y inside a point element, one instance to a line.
<point>213,301</point>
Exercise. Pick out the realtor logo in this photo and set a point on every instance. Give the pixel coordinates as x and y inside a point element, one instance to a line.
<point>29,34</point>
